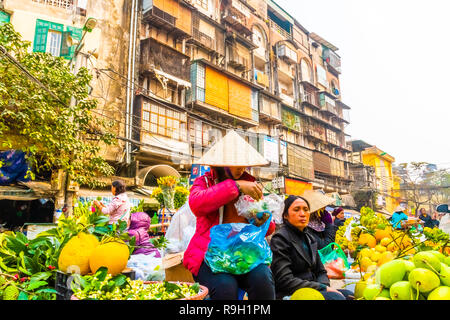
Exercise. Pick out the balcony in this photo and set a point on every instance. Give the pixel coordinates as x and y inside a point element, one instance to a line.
<point>238,61</point>
<point>333,60</point>
<point>310,98</point>
<point>286,99</point>
<point>238,23</point>
<point>204,40</point>
<point>315,132</point>
<point>285,34</point>
<point>63,4</point>
<point>158,56</point>
<point>262,78</point>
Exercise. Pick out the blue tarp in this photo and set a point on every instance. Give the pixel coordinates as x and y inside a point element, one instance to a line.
<point>14,167</point>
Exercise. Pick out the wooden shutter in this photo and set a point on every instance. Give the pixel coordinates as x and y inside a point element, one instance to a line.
<point>40,36</point>
<point>322,162</point>
<point>240,99</point>
<point>216,89</point>
<point>4,17</point>
<point>75,33</point>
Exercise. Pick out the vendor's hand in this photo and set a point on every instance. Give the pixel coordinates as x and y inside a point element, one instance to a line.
<point>97,204</point>
<point>330,289</point>
<point>259,222</point>
<point>251,189</point>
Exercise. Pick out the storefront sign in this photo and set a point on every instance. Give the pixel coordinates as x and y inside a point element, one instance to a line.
<point>271,149</point>
<point>197,171</point>
<point>296,187</point>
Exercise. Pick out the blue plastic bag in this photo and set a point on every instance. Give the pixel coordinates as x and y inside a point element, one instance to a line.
<point>237,248</point>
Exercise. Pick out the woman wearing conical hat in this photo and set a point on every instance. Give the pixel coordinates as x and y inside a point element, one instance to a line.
<point>211,199</point>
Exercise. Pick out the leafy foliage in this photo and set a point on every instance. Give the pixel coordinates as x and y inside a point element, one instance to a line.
<point>53,132</point>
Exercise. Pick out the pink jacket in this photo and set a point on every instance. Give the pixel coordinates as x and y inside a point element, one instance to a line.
<point>205,204</point>
<point>118,208</point>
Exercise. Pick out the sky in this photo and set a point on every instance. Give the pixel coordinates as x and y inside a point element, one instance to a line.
<point>395,61</point>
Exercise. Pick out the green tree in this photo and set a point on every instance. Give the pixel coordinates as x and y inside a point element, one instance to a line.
<point>422,185</point>
<point>37,116</point>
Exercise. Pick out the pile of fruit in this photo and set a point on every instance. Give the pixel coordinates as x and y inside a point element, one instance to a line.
<point>423,276</point>
<point>84,254</point>
<point>103,286</point>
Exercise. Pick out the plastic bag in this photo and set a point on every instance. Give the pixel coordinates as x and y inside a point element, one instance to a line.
<point>147,267</point>
<point>334,260</point>
<point>237,248</point>
<point>251,209</point>
<point>181,229</point>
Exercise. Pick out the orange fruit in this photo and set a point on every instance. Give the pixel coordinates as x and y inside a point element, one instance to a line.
<point>367,239</point>
<point>385,257</point>
<point>385,241</point>
<point>112,255</point>
<point>380,234</point>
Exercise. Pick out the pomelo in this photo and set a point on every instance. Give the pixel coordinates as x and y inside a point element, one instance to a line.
<point>307,294</point>
<point>112,255</point>
<point>74,256</point>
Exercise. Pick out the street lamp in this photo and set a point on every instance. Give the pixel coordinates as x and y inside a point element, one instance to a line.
<point>89,25</point>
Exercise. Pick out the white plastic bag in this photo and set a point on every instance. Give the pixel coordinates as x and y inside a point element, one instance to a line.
<point>444,224</point>
<point>147,267</point>
<point>180,230</point>
<point>250,209</point>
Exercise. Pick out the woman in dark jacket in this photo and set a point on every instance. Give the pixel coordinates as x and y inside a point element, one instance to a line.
<point>338,217</point>
<point>296,262</point>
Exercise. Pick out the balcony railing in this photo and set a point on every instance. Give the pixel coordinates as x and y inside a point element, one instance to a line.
<point>64,4</point>
<point>310,98</point>
<point>287,99</point>
<point>204,39</point>
<point>157,15</point>
<point>280,30</point>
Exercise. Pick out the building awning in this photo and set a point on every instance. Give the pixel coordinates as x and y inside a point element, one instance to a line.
<point>26,191</point>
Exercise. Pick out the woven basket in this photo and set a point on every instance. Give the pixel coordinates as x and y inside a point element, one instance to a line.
<point>200,296</point>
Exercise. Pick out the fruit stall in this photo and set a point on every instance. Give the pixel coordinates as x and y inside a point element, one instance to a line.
<point>394,264</point>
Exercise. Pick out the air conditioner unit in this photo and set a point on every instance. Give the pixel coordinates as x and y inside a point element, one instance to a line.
<point>286,53</point>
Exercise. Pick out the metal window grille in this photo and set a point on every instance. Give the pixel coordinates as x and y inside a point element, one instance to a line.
<point>64,4</point>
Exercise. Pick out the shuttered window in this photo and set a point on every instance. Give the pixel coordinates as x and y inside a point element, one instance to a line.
<point>240,99</point>
<point>216,89</point>
<point>76,34</point>
<point>4,17</point>
<point>322,162</point>
<point>43,42</point>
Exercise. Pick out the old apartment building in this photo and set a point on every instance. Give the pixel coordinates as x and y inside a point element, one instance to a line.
<point>177,74</point>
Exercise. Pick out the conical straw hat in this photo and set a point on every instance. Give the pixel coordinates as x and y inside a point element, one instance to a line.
<point>317,200</point>
<point>232,151</point>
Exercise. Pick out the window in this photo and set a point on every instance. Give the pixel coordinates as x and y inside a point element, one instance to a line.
<point>164,121</point>
<point>200,132</point>
<point>305,71</point>
<point>50,37</point>
<point>54,42</point>
<point>203,4</point>
<point>4,17</point>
